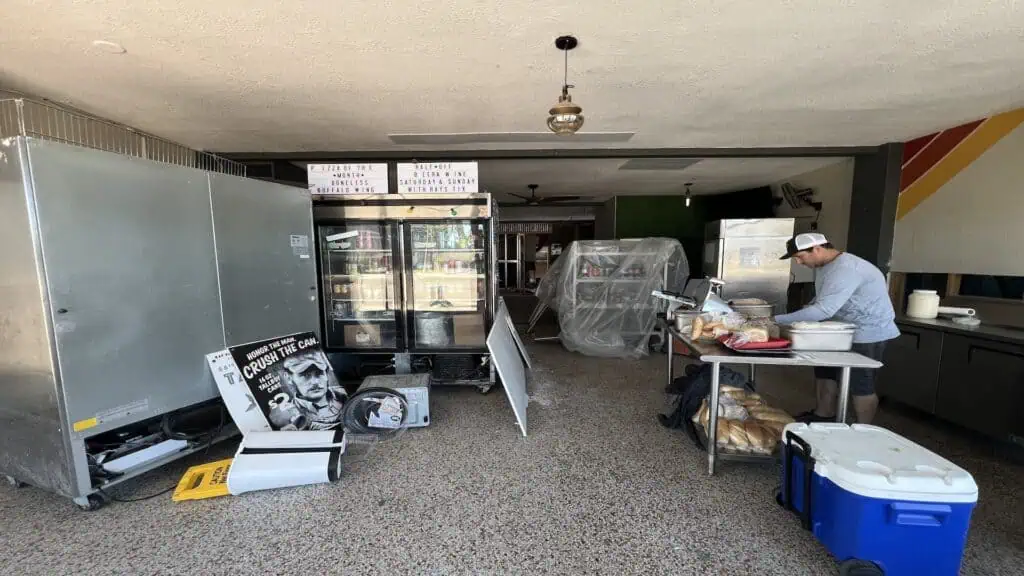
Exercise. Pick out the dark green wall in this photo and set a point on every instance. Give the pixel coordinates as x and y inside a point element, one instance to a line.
<point>668,217</point>
<point>665,217</point>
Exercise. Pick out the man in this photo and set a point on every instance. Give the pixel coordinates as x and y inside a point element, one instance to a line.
<point>315,393</point>
<point>847,289</point>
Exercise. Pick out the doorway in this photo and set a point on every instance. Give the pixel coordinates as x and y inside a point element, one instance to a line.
<point>511,262</point>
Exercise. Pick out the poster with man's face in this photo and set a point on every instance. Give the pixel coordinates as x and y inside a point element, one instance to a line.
<point>291,382</point>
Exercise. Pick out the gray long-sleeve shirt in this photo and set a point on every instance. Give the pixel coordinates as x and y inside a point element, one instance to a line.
<point>850,289</point>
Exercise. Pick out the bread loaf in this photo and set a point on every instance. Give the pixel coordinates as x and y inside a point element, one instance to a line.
<point>731,391</point>
<point>774,429</point>
<point>767,413</point>
<point>751,401</point>
<point>702,415</point>
<point>722,438</point>
<point>753,333</point>
<point>757,436</point>
<point>737,434</point>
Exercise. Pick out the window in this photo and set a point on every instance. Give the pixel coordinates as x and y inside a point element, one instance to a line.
<point>1006,287</point>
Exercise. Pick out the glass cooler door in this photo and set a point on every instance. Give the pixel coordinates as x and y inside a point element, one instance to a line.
<point>360,286</point>
<point>447,302</point>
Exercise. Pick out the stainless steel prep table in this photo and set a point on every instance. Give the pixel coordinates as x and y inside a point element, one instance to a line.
<point>716,355</point>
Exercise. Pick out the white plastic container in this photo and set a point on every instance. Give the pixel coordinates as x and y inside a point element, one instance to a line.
<point>923,304</point>
<point>871,495</point>
<point>830,340</point>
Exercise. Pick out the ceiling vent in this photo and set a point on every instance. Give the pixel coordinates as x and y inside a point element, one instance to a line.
<point>659,163</point>
<point>506,138</point>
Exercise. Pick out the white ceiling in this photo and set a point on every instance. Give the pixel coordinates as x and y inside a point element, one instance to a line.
<point>596,180</point>
<point>267,75</point>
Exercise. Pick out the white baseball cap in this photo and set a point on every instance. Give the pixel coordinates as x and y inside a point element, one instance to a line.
<point>802,242</point>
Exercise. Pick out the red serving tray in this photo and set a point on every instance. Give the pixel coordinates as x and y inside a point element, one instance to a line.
<point>771,344</point>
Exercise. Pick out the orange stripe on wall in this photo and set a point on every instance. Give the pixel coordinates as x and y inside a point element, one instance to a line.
<point>970,149</point>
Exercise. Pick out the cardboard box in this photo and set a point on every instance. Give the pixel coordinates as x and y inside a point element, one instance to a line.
<point>362,335</point>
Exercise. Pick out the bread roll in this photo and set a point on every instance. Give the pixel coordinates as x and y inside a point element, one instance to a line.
<point>697,328</point>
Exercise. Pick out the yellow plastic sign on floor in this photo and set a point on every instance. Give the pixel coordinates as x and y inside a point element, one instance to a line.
<point>204,481</point>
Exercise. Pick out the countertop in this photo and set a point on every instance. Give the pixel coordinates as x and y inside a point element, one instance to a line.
<point>715,352</point>
<point>985,330</point>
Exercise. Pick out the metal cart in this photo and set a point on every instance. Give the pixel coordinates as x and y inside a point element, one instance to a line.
<point>716,355</point>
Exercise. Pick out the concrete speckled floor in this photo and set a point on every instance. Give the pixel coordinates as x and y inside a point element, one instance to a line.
<point>599,487</point>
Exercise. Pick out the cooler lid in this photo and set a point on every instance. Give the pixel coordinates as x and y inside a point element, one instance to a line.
<point>876,463</point>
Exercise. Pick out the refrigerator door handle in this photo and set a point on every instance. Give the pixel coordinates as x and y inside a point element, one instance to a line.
<point>403,279</point>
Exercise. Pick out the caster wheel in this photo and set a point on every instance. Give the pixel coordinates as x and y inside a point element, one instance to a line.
<point>778,498</point>
<point>14,482</point>
<point>859,568</point>
<point>484,389</point>
<point>91,503</point>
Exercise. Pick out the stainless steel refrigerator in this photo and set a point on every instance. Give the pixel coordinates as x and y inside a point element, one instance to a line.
<point>406,274</point>
<point>746,254</point>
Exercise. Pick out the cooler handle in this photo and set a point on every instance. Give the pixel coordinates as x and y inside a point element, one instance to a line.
<point>914,514</point>
<point>804,454</point>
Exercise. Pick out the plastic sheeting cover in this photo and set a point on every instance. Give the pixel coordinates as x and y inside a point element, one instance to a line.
<point>601,290</point>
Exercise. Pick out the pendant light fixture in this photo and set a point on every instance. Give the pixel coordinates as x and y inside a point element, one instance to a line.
<point>687,195</point>
<point>565,118</point>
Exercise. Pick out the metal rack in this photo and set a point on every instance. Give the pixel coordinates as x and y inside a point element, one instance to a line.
<point>596,265</point>
<point>642,304</point>
<point>23,117</point>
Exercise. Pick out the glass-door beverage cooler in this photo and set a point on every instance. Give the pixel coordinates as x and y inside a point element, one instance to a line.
<point>406,274</point>
<point>447,284</point>
<point>361,286</point>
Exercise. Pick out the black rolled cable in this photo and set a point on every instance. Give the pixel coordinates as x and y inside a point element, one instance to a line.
<point>361,405</point>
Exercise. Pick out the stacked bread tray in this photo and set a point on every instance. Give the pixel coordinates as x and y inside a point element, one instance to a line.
<point>746,424</point>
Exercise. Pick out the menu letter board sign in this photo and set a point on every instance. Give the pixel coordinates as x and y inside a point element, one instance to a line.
<point>438,178</point>
<point>329,179</point>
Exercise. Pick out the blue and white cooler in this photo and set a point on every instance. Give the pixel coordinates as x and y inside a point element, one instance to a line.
<point>880,503</point>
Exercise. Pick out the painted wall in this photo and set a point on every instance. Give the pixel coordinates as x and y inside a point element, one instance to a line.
<point>832,186</point>
<point>604,221</point>
<point>663,217</point>
<point>961,207</point>
<point>669,217</point>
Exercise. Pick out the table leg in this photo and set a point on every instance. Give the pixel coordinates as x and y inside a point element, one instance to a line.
<point>668,353</point>
<point>844,394</point>
<point>713,419</point>
<point>752,385</point>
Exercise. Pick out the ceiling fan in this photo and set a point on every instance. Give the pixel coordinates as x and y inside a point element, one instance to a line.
<point>533,200</point>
